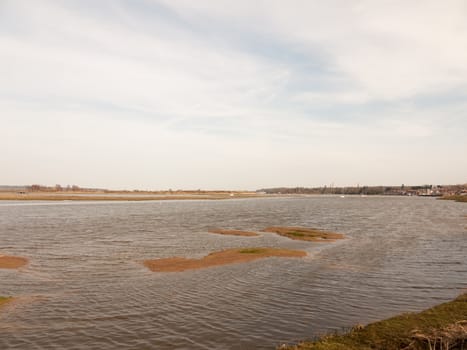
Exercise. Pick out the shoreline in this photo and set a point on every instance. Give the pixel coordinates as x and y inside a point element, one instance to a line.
<point>129,196</point>
<point>118,196</point>
<point>443,326</point>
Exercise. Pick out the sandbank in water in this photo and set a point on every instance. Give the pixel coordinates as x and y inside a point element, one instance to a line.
<point>305,234</point>
<point>12,262</point>
<point>233,232</point>
<point>4,300</point>
<point>230,256</point>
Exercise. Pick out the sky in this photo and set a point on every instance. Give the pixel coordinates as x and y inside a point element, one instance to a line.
<point>217,94</point>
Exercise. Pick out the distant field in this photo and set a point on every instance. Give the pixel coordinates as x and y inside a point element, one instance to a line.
<point>121,196</point>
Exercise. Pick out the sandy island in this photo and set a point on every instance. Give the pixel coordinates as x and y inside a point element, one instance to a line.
<point>230,256</point>
<point>12,262</point>
<point>233,232</point>
<point>4,300</point>
<point>305,234</point>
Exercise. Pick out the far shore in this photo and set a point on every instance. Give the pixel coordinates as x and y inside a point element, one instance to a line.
<point>123,196</point>
<point>12,262</point>
<point>230,256</point>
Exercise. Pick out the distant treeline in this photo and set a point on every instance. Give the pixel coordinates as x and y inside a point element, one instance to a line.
<point>420,190</point>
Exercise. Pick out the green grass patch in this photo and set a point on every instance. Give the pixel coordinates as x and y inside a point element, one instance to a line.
<point>252,251</point>
<point>443,324</point>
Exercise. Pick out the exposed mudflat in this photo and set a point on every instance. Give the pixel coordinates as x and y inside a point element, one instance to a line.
<point>230,256</point>
<point>4,300</point>
<point>305,234</point>
<point>12,262</point>
<point>222,231</point>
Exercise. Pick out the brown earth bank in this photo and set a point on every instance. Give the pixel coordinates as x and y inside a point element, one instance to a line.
<point>12,262</point>
<point>230,256</point>
<point>222,231</point>
<point>305,234</point>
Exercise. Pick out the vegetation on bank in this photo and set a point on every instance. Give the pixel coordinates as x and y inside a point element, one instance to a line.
<point>456,198</point>
<point>443,327</point>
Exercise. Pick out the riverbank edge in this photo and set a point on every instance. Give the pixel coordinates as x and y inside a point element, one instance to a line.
<point>445,323</point>
<point>457,198</point>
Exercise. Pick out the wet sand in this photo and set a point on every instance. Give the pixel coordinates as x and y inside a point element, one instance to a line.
<point>230,256</point>
<point>12,262</point>
<point>4,300</point>
<point>233,232</point>
<point>305,234</point>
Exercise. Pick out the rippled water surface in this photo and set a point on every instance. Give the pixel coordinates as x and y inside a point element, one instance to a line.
<point>85,286</point>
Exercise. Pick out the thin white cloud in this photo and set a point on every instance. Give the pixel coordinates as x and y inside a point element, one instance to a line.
<point>391,49</point>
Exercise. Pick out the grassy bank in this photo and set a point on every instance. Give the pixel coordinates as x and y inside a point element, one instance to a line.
<point>443,327</point>
<point>455,198</point>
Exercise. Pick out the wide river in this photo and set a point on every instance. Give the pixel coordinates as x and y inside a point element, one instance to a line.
<point>85,286</point>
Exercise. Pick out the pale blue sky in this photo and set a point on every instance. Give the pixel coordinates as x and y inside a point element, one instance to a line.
<point>233,94</point>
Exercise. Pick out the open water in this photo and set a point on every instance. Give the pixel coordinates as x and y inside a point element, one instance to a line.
<point>85,286</point>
